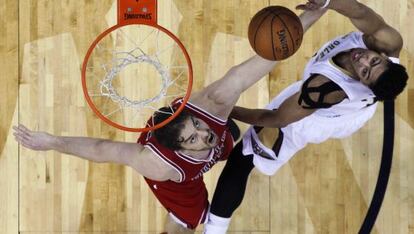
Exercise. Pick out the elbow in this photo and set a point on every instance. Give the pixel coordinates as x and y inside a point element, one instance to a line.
<point>399,42</point>
<point>99,152</point>
<point>227,90</point>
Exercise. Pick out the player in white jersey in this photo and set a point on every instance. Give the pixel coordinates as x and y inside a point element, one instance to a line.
<point>337,95</point>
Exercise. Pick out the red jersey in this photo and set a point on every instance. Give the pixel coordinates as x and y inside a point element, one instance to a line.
<point>187,200</point>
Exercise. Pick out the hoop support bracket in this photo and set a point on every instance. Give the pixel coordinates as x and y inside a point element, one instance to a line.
<point>137,12</point>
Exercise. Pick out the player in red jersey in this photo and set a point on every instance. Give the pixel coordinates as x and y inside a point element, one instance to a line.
<point>174,158</point>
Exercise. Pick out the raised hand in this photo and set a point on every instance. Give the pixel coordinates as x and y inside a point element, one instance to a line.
<point>32,139</point>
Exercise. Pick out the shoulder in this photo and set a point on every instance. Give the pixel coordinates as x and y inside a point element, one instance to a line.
<point>152,166</point>
<point>320,92</point>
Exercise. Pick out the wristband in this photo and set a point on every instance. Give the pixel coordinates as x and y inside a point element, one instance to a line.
<point>326,3</point>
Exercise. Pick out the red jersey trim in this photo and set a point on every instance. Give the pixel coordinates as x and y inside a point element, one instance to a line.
<point>204,215</point>
<point>194,160</point>
<point>179,221</point>
<point>167,161</point>
<point>201,220</point>
<point>201,111</point>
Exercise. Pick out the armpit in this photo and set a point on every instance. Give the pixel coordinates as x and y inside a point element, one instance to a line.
<point>320,92</point>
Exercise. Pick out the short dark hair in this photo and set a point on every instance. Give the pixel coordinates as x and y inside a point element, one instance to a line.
<point>169,134</point>
<point>391,82</point>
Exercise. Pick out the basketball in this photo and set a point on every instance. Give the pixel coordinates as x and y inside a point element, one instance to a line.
<point>275,33</point>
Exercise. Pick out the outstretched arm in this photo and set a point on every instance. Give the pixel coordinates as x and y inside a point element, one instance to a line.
<point>270,118</point>
<point>219,97</point>
<point>96,150</point>
<point>378,35</point>
<point>291,110</point>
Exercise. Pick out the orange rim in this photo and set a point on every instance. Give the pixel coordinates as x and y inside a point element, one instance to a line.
<point>112,123</point>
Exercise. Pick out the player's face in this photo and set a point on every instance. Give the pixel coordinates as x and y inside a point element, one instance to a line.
<point>368,65</point>
<point>197,135</point>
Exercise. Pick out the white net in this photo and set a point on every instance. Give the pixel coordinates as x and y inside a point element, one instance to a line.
<point>120,63</point>
<point>134,71</point>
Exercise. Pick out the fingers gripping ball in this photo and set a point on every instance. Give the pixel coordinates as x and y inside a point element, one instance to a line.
<point>275,33</point>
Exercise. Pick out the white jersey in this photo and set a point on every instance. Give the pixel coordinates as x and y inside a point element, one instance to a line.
<point>338,121</point>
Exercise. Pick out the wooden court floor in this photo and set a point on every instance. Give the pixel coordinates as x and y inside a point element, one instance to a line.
<point>326,188</point>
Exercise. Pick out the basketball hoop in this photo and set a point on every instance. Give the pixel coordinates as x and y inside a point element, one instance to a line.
<point>127,62</point>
